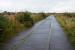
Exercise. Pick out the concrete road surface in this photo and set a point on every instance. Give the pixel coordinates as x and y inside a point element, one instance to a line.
<point>45,35</point>
<point>37,38</point>
<point>58,40</point>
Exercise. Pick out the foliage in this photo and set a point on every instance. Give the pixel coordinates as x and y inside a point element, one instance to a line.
<point>43,15</point>
<point>3,25</point>
<point>13,23</point>
<point>38,16</point>
<point>25,18</point>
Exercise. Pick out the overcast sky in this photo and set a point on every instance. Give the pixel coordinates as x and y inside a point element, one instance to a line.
<point>38,5</point>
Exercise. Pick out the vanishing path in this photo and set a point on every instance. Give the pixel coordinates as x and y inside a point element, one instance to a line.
<point>45,35</point>
<point>58,40</point>
<point>37,38</point>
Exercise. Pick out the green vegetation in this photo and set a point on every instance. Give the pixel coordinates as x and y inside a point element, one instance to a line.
<point>3,25</point>
<point>38,16</point>
<point>13,23</point>
<point>8,28</point>
<point>67,21</point>
<point>25,18</point>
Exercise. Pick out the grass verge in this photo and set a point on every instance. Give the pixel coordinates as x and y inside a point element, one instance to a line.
<point>68,25</point>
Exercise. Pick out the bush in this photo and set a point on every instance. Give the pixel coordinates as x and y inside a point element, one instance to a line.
<point>25,18</point>
<point>43,15</point>
<point>3,25</point>
<point>38,16</point>
<point>12,24</point>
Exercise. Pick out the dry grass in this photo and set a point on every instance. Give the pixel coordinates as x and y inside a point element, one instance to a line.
<point>14,26</point>
<point>68,24</point>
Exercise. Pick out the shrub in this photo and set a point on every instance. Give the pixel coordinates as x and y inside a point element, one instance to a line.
<point>25,18</point>
<point>43,15</point>
<point>3,25</point>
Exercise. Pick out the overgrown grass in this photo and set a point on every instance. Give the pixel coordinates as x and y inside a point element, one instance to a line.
<point>68,24</point>
<point>14,23</point>
<point>10,28</point>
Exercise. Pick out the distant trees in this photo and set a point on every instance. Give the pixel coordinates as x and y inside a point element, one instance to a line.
<point>69,14</point>
<point>43,15</point>
<point>7,13</point>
